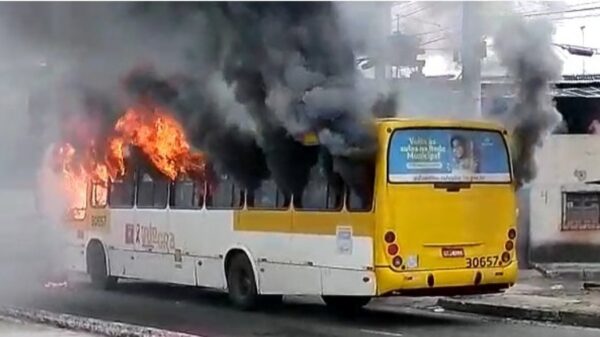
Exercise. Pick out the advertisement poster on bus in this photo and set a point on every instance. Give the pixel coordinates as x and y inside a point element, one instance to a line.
<point>448,155</point>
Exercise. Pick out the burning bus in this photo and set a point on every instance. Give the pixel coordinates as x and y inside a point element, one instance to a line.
<point>149,206</point>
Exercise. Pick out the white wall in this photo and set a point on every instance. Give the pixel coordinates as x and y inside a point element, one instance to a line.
<point>566,163</point>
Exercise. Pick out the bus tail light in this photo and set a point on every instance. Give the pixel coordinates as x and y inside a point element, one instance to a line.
<point>509,245</point>
<point>397,261</point>
<point>512,233</point>
<point>505,257</point>
<point>389,237</point>
<point>393,249</point>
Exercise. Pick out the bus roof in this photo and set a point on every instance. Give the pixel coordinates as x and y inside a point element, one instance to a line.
<point>437,122</point>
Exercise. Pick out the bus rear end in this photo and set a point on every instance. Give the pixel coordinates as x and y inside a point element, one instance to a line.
<point>446,210</point>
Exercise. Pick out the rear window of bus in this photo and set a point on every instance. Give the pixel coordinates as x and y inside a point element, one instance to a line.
<point>431,155</point>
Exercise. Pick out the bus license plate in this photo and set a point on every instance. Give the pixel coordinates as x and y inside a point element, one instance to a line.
<point>483,261</point>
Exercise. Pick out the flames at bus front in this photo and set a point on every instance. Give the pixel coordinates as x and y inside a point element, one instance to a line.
<point>149,128</point>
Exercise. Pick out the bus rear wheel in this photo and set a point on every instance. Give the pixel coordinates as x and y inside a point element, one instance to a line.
<point>346,303</point>
<point>96,262</point>
<point>241,283</point>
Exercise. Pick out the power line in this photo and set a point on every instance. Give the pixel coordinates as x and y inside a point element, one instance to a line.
<point>576,17</point>
<point>418,10</point>
<point>574,6</point>
<point>443,29</point>
<point>563,11</point>
<point>425,21</point>
<point>434,40</point>
<point>404,4</point>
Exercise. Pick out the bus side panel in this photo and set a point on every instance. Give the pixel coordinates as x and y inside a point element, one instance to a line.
<point>348,282</point>
<point>120,249</point>
<point>267,235</point>
<point>203,235</point>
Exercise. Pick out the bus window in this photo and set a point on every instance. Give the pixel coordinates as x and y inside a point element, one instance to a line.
<point>360,193</point>
<point>187,194</point>
<point>319,194</point>
<point>268,196</point>
<point>223,193</point>
<point>120,194</point>
<point>359,202</point>
<point>152,193</point>
<point>99,195</point>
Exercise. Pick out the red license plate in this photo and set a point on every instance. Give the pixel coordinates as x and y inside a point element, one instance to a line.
<point>453,252</point>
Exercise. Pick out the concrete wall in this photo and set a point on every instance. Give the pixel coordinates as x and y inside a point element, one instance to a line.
<point>568,163</point>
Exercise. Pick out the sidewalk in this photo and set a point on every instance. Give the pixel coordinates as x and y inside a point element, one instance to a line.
<point>537,298</point>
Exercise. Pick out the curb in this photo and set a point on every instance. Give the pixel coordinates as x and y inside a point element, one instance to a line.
<point>90,325</point>
<point>565,317</point>
<point>581,274</point>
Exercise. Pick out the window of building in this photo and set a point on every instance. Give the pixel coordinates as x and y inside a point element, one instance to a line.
<point>121,193</point>
<point>268,196</point>
<point>581,211</point>
<point>187,194</point>
<point>152,191</point>
<point>223,193</point>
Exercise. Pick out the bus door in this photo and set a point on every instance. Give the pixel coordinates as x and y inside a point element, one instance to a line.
<point>318,212</point>
<point>122,222</point>
<point>267,225</point>
<point>154,241</point>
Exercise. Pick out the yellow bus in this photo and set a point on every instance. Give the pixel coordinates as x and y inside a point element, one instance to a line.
<point>440,219</point>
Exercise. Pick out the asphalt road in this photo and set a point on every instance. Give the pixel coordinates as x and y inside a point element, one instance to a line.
<point>25,256</point>
<point>11,328</point>
<point>208,313</point>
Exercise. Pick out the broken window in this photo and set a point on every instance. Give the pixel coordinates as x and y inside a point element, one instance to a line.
<point>268,196</point>
<point>121,193</point>
<point>152,191</point>
<point>99,194</point>
<point>224,193</point>
<point>187,194</point>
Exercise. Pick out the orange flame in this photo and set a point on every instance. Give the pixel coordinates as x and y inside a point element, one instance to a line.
<point>151,129</point>
<point>160,137</point>
<point>75,178</point>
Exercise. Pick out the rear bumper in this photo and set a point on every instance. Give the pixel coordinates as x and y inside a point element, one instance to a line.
<point>445,282</point>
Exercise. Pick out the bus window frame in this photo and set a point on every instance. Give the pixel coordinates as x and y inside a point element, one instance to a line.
<point>93,192</point>
<point>69,215</point>
<point>289,206</point>
<point>340,208</point>
<point>234,186</point>
<point>371,207</point>
<point>502,134</point>
<point>154,181</point>
<point>134,197</point>
<point>172,189</point>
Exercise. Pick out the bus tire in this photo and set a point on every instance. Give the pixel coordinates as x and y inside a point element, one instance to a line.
<point>241,284</point>
<point>96,266</point>
<point>346,303</point>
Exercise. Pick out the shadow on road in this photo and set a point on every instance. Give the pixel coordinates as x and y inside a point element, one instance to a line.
<point>298,308</point>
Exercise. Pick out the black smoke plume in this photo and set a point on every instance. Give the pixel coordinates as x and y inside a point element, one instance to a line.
<point>525,49</point>
<point>290,68</point>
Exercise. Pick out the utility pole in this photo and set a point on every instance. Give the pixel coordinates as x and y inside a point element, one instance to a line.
<point>471,53</point>
<point>582,44</point>
<point>384,28</point>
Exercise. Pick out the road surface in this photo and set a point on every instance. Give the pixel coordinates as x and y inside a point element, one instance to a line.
<point>208,313</point>
<point>25,256</point>
<point>12,328</point>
